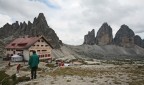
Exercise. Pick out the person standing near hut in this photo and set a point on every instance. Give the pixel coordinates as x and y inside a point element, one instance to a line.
<point>33,63</point>
<point>18,68</point>
<point>9,64</point>
<point>23,59</point>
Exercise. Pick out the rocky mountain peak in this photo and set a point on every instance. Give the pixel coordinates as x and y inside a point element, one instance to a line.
<point>24,23</point>
<point>104,35</point>
<point>127,30</point>
<point>90,38</point>
<point>41,16</point>
<point>124,37</point>
<point>105,25</point>
<point>40,21</point>
<point>38,27</point>
<point>7,24</point>
<point>29,22</point>
<point>16,23</point>
<point>138,41</point>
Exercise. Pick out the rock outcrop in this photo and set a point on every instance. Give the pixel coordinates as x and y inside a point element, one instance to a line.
<point>124,37</point>
<point>138,41</point>
<point>89,39</point>
<point>104,35</point>
<point>143,43</point>
<point>38,27</point>
<point>106,52</point>
<point>1,49</point>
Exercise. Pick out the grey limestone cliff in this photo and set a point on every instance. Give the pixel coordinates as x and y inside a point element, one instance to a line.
<point>38,27</point>
<point>138,41</point>
<point>124,37</point>
<point>90,38</point>
<point>104,35</point>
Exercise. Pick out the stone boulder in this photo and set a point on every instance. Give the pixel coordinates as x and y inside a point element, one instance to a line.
<point>124,37</point>
<point>90,38</point>
<point>104,35</point>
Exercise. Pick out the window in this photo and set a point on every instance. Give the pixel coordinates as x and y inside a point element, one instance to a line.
<point>38,50</point>
<point>19,50</point>
<point>31,50</point>
<point>38,45</point>
<point>33,45</point>
<point>13,52</point>
<point>46,45</point>
<point>48,55</point>
<point>13,44</point>
<point>38,40</point>
<point>41,56</point>
<point>22,44</point>
<point>42,40</point>
<point>44,50</point>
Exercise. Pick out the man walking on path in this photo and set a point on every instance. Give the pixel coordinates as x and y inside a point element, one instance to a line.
<point>33,63</point>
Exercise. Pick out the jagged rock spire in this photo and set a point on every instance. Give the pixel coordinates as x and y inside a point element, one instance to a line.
<point>38,27</point>
<point>41,16</point>
<point>124,37</point>
<point>138,41</point>
<point>104,35</point>
<point>90,38</point>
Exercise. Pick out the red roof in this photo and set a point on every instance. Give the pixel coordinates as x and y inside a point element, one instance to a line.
<point>25,42</point>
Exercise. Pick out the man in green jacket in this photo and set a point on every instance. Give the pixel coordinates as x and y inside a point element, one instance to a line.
<point>33,63</point>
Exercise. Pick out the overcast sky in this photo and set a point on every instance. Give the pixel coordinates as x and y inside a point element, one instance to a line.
<point>72,19</point>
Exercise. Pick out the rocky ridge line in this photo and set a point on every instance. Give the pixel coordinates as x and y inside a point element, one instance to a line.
<point>38,27</point>
<point>125,37</point>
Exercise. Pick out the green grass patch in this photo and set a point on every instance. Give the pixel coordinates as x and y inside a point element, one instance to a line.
<point>5,79</point>
<point>50,65</point>
<point>28,69</point>
<point>3,75</point>
<point>77,71</point>
<point>140,82</point>
<point>25,69</point>
<point>11,80</point>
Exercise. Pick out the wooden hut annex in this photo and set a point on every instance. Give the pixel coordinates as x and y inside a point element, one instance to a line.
<point>25,46</point>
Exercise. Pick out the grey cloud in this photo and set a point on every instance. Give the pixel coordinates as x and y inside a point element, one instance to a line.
<point>21,9</point>
<point>113,12</point>
<point>77,21</point>
<point>108,12</point>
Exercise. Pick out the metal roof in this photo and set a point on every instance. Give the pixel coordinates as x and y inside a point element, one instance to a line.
<point>24,42</point>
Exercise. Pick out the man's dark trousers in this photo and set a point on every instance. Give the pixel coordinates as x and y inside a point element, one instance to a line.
<point>33,72</point>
